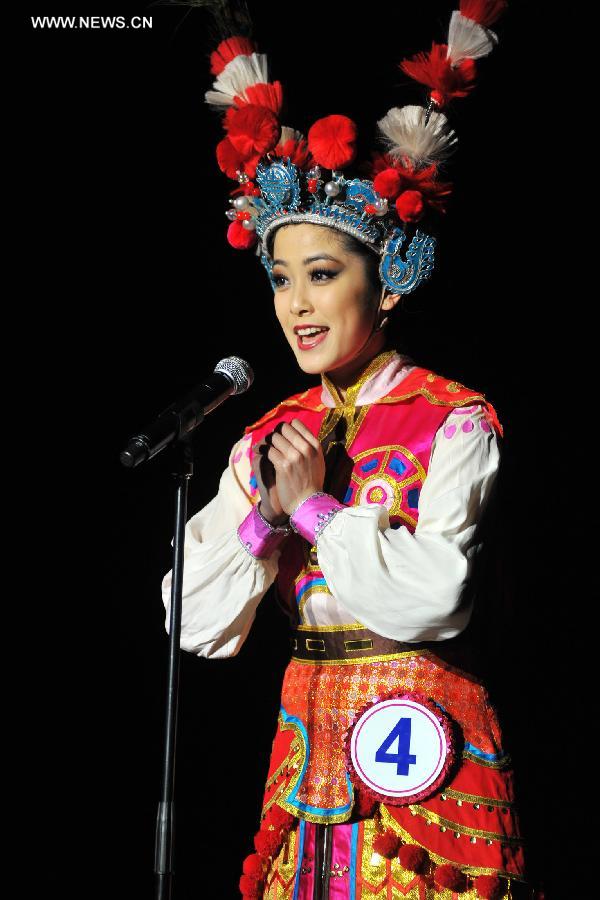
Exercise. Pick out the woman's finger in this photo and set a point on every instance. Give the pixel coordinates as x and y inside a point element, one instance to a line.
<point>305,431</point>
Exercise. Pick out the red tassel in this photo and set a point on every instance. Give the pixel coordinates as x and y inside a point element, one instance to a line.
<point>413,858</point>
<point>490,887</point>
<point>242,239</point>
<point>228,50</point>
<point>410,206</point>
<point>485,12</point>
<point>450,877</point>
<point>250,887</point>
<point>270,96</point>
<point>435,70</point>
<point>387,844</point>
<point>251,129</point>
<point>332,141</point>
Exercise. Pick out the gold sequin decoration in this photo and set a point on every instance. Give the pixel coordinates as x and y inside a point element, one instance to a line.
<point>388,821</point>
<point>488,763</point>
<point>279,883</point>
<point>474,798</point>
<point>462,829</point>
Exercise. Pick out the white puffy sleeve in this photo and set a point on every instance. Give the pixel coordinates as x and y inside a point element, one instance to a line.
<point>223,582</point>
<point>408,586</point>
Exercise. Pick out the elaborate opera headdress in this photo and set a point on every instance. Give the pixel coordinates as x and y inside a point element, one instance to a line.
<point>283,177</point>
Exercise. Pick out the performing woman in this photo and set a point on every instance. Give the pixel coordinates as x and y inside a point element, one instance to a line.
<point>359,498</point>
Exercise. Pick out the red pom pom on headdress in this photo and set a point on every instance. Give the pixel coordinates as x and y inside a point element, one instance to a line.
<point>228,50</point>
<point>297,151</point>
<point>242,239</point>
<point>413,858</point>
<point>436,71</point>
<point>448,876</point>
<point>484,12</point>
<point>332,141</point>
<point>251,129</point>
<point>490,887</point>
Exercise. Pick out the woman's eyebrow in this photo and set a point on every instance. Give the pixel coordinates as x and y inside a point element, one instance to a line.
<point>308,259</point>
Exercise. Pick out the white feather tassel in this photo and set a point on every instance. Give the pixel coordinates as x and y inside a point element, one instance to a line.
<point>407,134</point>
<point>468,39</point>
<point>237,75</point>
<point>288,134</point>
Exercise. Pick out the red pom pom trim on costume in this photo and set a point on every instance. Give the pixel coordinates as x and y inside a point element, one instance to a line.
<point>251,129</point>
<point>253,865</point>
<point>485,12</point>
<point>490,887</point>
<point>250,887</point>
<point>268,843</point>
<point>448,876</point>
<point>239,237</point>
<point>280,818</point>
<point>436,71</point>
<point>228,50</point>
<point>387,844</point>
<point>332,141</point>
<point>413,858</point>
<point>364,806</point>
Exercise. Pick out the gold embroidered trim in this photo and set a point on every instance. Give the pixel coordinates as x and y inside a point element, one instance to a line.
<point>354,626</point>
<point>488,763</point>
<point>436,819</point>
<point>377,363</point>
<point>432,399</point>
<point>474,798</point>
<point>389,821</point>
<point>313,589</point>
<point>364,659</point>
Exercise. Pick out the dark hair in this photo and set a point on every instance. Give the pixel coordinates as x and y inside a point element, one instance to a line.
<point>351,245</point>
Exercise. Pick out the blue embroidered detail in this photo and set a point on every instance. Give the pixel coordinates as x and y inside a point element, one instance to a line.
<point>396,465</point>
<point>253,481</point>
<point>491,757</point>
<point>412,498</point>
<point>291,798</point>
<point>309,584</point>
<point>347,496</point>
<point>353,849</point>
<point>372,464</point>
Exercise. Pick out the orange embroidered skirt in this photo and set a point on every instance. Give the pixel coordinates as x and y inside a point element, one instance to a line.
<point>468,828</point>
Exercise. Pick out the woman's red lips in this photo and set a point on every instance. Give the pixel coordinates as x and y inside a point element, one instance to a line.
<point>307,342</point>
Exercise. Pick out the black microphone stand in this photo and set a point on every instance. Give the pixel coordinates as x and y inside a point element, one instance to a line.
<point>183,469</point>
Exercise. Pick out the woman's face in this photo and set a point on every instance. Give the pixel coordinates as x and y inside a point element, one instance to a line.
<point>319,283</point>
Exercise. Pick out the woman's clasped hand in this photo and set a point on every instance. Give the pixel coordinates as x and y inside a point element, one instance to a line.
<point>289,466</point>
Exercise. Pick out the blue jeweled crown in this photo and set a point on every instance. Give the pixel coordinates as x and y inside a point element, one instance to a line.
<point>290,195</point>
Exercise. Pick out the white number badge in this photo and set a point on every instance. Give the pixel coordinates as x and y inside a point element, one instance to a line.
<point>400,747</point>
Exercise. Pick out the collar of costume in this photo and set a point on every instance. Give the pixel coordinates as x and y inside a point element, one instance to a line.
<point>390,378</point>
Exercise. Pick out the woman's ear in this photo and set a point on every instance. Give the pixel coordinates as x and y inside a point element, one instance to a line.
<point>389,300</point>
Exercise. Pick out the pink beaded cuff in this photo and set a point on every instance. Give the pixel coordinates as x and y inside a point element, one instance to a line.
<point>258,536</point>
<point>313,514</point>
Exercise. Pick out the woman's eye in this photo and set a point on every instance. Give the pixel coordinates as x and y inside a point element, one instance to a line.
<point>276,279</point>
<point>326,272</point>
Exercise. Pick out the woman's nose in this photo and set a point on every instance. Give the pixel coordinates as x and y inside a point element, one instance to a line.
<point>299,298</point>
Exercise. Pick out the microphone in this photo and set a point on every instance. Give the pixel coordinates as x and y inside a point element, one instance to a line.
<point>231,376</point>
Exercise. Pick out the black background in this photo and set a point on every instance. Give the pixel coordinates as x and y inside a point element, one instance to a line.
<point>130,294</point>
